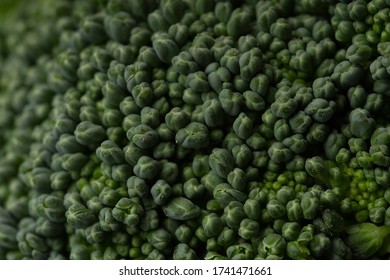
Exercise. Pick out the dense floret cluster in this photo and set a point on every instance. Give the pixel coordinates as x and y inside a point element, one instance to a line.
<point>180,129</point>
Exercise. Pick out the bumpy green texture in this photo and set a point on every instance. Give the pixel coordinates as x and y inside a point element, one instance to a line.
<point>181,129</point>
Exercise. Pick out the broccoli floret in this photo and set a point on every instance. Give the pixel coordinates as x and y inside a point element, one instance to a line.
<point>180,129</point>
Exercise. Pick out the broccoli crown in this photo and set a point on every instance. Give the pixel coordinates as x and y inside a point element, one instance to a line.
<point>181,129</point>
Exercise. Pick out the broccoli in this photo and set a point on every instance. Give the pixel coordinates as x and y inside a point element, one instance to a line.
<point>181,129</point>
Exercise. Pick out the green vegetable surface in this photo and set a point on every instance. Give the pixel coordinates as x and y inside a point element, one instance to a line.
<point>180,129</point>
